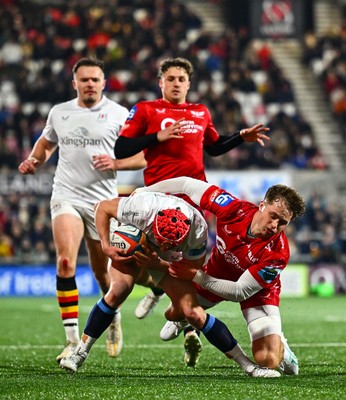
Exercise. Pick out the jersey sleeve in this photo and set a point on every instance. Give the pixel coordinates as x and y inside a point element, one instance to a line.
<point>267,271</point>
<point>211,135</point>
<point>136,122</point>
<point>123,115</point>
<point>217,201</point>
<point>48,131</point>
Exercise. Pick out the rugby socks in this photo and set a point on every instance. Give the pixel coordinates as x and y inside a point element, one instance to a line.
<point>219,335</point>
<point>67,295</point>
<point>99,319</point>
<point>157,291</point>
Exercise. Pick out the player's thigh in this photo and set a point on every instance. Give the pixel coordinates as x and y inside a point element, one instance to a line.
<point>98,260</point>
<point>68,231</point>
<point>263,321</point>
<point>122,283</point>
<point>181,293</point>
<point>264,326</point>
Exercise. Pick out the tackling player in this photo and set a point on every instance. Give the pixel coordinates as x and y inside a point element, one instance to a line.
<point>176,232</point>
<point>245,265</point>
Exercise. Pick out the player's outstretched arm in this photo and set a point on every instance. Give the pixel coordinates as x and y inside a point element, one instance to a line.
<point>194,188</point>
<point>227,143</point>
<point>245,287</point>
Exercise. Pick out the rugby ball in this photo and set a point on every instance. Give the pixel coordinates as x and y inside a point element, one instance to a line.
<point>128,238</point>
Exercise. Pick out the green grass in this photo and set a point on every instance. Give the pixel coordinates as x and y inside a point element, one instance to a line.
<point>31,336</point>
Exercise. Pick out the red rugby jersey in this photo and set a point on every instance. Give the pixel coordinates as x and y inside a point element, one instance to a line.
<point>235,251</point>
<point>176,157</point>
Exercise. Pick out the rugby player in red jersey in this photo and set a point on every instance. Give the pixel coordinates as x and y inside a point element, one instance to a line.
<point>174,135</point>
<point>245,265</point>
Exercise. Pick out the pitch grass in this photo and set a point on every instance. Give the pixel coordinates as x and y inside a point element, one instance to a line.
<point>32,336</point>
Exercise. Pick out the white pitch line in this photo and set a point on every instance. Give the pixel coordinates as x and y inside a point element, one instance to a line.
<point>333,318</point>
<point>155,346</point>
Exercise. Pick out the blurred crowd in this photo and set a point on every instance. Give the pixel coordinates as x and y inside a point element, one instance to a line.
<point>326,56</point>
<point>235,77</point>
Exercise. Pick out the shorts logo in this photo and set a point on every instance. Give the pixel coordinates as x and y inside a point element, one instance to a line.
<point>223,199</point>
<point>269,273</point>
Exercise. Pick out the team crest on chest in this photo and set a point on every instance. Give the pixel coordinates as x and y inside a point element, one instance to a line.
<point>102,117</point>
<point>198,114</point>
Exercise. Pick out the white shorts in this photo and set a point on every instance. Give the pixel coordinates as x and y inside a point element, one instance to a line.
<point>261,321</point>
<point>85,213</point>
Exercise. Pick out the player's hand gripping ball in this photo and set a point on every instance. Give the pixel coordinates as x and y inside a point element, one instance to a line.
<point>129,238</point>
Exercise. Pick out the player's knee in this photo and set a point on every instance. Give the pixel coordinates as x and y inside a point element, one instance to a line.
<point>174,314</point>
<point>65,267</point>
<point>195,316</point>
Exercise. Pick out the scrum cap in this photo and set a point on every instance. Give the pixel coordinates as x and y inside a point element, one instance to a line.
<point>171,225</point>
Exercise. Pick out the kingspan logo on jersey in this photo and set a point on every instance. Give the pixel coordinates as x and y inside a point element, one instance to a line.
<point>79,138</point>
<point>223,199</point>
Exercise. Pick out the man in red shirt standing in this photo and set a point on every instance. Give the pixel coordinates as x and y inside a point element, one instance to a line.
<point>245,265</point>
<point>174,135</point>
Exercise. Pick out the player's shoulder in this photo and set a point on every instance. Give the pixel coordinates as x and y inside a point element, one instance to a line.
<point>197,106</point>
<point>65,106</point>
<point>148,104</point>
<point>282,243</point>
<point>109,103</point>
<point>145,108</point>
<point>277,249</point>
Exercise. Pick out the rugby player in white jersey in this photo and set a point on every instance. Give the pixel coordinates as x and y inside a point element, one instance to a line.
<point>176,232</point>
<point>85,130</point>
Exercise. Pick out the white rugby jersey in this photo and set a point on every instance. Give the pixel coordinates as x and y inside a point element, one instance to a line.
<point>80,134</point>
<point>140,210</point>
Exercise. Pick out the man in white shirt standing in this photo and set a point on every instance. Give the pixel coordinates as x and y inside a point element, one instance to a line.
<point>85,130</point>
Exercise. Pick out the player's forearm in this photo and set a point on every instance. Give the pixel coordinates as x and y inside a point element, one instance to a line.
<point>128,147</point>
<point>102,222</point>
<point>130,163</point>
<point>224,144</point>
<point>193,188</point>
<point>42,151</point>
<point>245,287</point>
